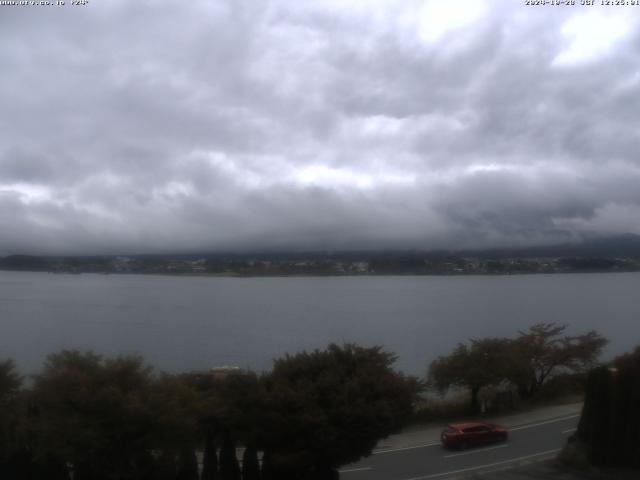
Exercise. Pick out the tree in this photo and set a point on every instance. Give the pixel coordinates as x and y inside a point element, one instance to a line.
<point>175,406</point>
<point>209,458</point>
<point>328,408</point>
<point>609,428</point>
<point>11,420</point>
<point>229,411</point>
<point>92,412</point>
<point>167,468</point>
<point>541,351</point>
<point>242,403</point>
<point>10,381</point>
<point>187,464</point>
<point>205,414</point>
<point>527,361</point>
<point>250,464</point>
<point>229,468</point>
<point>480,364</point>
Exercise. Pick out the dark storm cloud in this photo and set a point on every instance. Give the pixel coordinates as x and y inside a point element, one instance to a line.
<point>202,125</point>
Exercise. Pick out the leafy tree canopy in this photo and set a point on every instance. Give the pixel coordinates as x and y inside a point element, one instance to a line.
<point>544,349</point>
<point>483,362</point>
<point>330,407</point>
<point>10,381</point>
<point>93,411</point>
<point>527,361</point>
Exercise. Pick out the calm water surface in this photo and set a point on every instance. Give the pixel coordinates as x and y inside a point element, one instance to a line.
<point>182,323</point>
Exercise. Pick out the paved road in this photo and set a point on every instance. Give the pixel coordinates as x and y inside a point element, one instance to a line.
<point>531,442</point>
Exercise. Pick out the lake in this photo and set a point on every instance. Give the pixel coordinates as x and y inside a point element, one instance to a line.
<point>183,323</point>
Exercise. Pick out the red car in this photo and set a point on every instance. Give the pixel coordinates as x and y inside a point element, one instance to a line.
<point>463,435</point>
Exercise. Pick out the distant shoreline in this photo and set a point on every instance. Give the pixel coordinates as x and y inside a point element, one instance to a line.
<point>322,265</point>
<point>324,275</point>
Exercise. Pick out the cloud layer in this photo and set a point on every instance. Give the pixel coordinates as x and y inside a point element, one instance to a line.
<point>154,126</point>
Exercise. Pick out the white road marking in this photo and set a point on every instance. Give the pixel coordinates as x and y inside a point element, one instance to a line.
<point>476,451</point>
<point>391,450</point>
<point>517,459</point>
<point>361,469</point>
<point>424,445</point>
<point>569,430</point>
<point>543,423</point>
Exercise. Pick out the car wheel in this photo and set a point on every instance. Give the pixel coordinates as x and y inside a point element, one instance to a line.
<point>464,445</point>
<point>502,437</point>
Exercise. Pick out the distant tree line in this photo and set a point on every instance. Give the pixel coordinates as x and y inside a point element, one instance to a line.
<point>89,417</point>
<point>24,262</point>
<point>320,265</point>
<point>526,362</point>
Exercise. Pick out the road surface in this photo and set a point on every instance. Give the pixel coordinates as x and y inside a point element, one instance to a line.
<point>531,442</point>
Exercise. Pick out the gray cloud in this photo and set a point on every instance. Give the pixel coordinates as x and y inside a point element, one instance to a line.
<point>220,125</point>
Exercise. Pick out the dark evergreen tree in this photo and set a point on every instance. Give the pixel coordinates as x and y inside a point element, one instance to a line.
<point>210,458</point>
<point>187,464</point>
<point>229,468</point>
<point>174,406</point>
<point>24,466</point>
<point>596,415</point>
<point>144,466</point>
<point>166,468</point>
<point>11,421</point>
<point>267,470</point>
<point>87,471</point>
<point>250,464</point>
<point>52,469</point>
<point>610,421</point>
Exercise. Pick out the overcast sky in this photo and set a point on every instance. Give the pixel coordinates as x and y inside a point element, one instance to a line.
<point>156,126</point>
